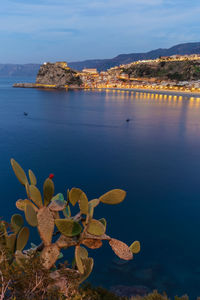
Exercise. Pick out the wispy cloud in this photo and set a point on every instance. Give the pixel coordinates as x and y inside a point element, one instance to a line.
<point>79,29</point>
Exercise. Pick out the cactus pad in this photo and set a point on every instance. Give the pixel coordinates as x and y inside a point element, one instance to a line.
<point>92,243</point>
<point>74,195</point>
<point>103,221</point>
<point>21,204</point>
<point>135,247</point>
<point>78,259</point>
<point>68,227</point>
<point>17,222</point>
<point>57,205</point>
<point>10,242</point>
<point>88,267</point>
<point>30,214</point>
<point>83,203</point>
<point>48,191</point>
<point>67,212</point>
<point>49,256</point>
<point>65,242</point>
<point>22,238</point>
<point>19,172</point>
<point>95,227</point>
<point>121,249</point>
<point>35,195</point>
<point>33,180</point>
<point>45,225</point>
<point>58,197</point>
<point>113,197</point>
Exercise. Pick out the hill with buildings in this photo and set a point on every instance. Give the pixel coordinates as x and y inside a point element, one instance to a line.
<point>103,64</point>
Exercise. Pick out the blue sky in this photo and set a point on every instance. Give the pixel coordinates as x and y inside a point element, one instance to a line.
<point>71,30</point>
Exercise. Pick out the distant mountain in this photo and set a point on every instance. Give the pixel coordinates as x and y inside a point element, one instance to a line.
<point>14,70</point>
<point>102,64</point>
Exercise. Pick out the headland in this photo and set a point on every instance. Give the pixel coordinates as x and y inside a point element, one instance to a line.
<point>171,73</point>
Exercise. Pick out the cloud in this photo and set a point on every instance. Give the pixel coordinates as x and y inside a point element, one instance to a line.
<point>96,28</point>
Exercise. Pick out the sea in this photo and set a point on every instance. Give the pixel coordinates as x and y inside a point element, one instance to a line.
<point>84,139</point>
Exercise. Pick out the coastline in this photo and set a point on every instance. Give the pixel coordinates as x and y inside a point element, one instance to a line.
<point>142,89</point>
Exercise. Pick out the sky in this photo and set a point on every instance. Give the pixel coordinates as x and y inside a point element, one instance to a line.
<point>34,31</point>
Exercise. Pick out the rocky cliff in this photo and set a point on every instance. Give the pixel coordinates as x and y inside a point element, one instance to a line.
<point>57,74</point>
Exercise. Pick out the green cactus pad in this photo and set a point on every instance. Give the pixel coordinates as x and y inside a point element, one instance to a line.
<point>121,249</point>
<point>45,225</point>
<point>103,221</point>
<point>79,260</point>
<point>95,227</point>
<point>22,238</point>
<point>48,191</point>
<point>94,203</point>
<point>83,203</point>
<point>19,172</point>
<point>31,216</point>
<point>68,227</point>
<point>35,195</point>
<point>27,190</point>
<point>59,197</point>
<point>57,205</point>
<point>32,178</point>
<point>75,195</point>
<point>90,212</point>
<point>67,212</point>
<point>88,267</point>
<point>135,247</point>
<point>80,254</point>
<point>83,252</point>
<point>17,222</point>
<point>113,197</point>
<point>11,241</point>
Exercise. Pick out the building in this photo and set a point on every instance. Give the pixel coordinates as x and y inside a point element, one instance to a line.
<point>61,64</point>
<point>90,71</point>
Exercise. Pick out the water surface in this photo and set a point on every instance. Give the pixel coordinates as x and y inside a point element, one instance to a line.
<point>83,138</point>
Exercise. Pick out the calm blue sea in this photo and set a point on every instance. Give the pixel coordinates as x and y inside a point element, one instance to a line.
<point>83,138</point>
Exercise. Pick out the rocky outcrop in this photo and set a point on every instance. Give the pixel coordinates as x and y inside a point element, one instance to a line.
<point>58,74</point>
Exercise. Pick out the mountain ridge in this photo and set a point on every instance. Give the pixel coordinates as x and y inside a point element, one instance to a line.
<point>28,70</point>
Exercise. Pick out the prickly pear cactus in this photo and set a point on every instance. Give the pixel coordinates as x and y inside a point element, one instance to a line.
<point>59,229</point>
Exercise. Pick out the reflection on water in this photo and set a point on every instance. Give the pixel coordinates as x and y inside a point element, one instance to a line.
<point>173,100</point>
<point>84,139</point>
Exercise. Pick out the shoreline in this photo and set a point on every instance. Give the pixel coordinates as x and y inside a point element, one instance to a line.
<point>142,89</point>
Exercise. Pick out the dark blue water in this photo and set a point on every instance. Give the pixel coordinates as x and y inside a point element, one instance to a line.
<point>82,137</point>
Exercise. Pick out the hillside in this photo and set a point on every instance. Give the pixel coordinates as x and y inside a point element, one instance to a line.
<point>104,64</point>
<point>14,70</point>
<point>169,70</point>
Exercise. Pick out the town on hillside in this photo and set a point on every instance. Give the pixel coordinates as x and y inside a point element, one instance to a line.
<point>172,73</point>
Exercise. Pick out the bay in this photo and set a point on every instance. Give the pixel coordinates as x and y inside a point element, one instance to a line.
<point>83,138</point>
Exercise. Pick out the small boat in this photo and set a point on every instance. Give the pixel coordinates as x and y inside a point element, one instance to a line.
<point>25,114</point>
<point>128,120</point>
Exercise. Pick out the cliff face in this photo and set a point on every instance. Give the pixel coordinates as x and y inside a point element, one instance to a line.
<point>57,74</point>
<point>175,70</point>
